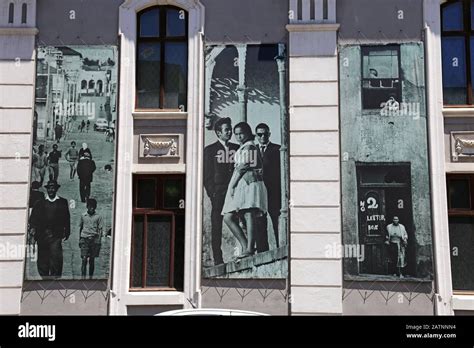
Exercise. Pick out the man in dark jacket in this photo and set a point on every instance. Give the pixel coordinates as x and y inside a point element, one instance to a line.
<point>218,169</point>
<point>85,169</point>
<point>50,225</point>
<point>272,179</point>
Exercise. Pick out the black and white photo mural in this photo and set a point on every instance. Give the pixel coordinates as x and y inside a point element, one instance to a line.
<point>73,163</point>
<point>245,207</point>
<point>386,201</point>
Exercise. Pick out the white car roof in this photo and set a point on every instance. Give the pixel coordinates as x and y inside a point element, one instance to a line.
<point>210,312</point>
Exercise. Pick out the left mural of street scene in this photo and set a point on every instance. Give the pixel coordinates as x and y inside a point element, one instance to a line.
<point>73,163</point>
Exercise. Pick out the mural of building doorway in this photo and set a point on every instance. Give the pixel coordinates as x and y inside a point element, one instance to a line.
<point>384,192</point>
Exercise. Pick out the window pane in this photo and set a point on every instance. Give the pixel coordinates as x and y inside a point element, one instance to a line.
<point>146,193</point>
<point>176,67</point>
<point>173,193</point>
<point>148,75</point>
<point>461,237</point>
<point>179,252</point>
<point>158,250</point>
<point>175,23</point>
<point>472,14</point>
<point>150,23</point>
<point>137,261</point>
<point>453,17</point>
<point>454,70</point>
<point>459,197</point>
<point>381,82</point>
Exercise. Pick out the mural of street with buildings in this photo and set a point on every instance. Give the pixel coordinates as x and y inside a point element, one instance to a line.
<point>74,155</point>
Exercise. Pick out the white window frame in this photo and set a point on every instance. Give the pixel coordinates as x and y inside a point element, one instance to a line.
<point>121,296</point>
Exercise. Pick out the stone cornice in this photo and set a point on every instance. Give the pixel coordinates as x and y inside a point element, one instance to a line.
<point>312,27</point>
<point>18,31</point>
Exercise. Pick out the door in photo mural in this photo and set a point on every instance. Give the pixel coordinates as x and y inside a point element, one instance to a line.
<point>384,194</point>
<point>245,201</point>
<point>73,163</point>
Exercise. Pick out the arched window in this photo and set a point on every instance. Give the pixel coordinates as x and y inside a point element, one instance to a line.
<point>83,84</point>
<point>11,12</point>
<point>24,13</point>
<point>91,84</point>
<point>99,86</point>
<point>457,20</point>
<point>162,58</point>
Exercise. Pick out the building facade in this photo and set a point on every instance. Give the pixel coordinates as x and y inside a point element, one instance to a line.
<point>300,157</point>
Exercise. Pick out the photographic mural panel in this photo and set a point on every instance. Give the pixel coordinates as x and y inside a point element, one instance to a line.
<point>73,163</point>
<point>245,162</point>
<point>387,227</point>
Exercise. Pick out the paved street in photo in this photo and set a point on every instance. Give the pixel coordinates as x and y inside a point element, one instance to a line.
<point>101,189</point>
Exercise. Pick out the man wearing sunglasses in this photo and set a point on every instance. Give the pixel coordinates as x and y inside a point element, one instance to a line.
<point>272,178</point>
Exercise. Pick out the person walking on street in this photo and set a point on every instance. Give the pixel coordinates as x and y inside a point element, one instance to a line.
<point>53,161</point>
<point>58,132</point>
<point>40,162</point>
<point>88,124</point>
<point>72,155</point>
<point>91,228</point>
<point>50,224</point>
<point>85,170</point>
<point>83,124</point>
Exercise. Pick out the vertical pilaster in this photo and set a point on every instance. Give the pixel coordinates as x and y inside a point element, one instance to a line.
<point>17,78</point>
<point>315,197</point>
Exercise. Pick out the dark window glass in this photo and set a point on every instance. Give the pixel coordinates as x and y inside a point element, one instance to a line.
<point>472,14</point>
<point>461,240</point>
<point>175,22</point>
<point>148,75</point>
<point>453,17</point>
<point>23,13</point>
<point>176,61</point>
<point>459,196</point>
<point>179,251</point>
<point>146,192</point>
<point>150,23</point>
<point>454,70</point>
<point>380,76</point>
<point>11,12</point>
<point>137,245</point>
<point>173,193</point>
<point>162,59</point>
<point>158,251</point>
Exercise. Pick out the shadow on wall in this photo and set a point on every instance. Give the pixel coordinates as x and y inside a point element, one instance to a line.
<point>72,297</point>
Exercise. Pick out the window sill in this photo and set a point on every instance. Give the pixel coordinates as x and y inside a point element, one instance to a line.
<point>461,111</point>
<point>159,115</point>
<point>153,297</point>
<point>463,302</point>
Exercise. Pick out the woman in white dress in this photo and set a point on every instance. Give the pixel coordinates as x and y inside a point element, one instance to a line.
<point>246,196</point>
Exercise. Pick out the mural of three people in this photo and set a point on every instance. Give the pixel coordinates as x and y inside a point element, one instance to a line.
<point>242,164</point>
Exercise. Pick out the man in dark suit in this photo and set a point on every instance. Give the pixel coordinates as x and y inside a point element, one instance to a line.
<point>272,178</point>
<point>50,225</point>
<point>218,169</point>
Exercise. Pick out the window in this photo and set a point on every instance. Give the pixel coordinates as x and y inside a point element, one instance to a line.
<point>461,230</point>
<point>162,59</point>
<point>457,20</point>
<point>11,12</point>
<point>23,13</point>
<point>157,260</point>
<point>380,76</point>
